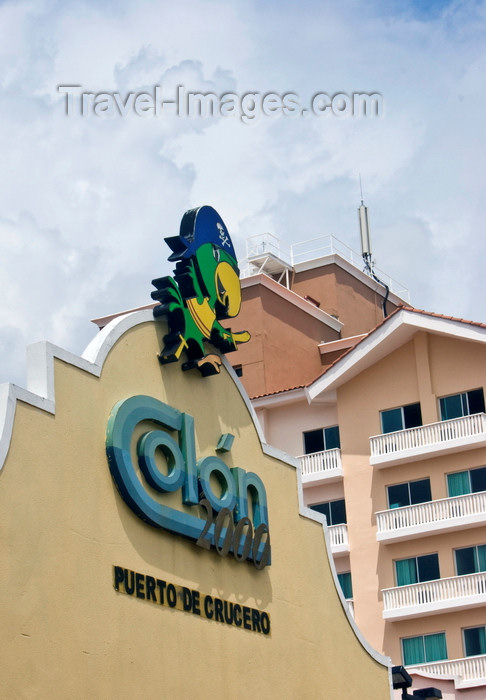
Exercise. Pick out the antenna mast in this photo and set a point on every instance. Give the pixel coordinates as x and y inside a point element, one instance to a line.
<point>364,229</point>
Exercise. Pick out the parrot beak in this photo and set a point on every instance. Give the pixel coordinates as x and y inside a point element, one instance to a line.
<point>228,289</point>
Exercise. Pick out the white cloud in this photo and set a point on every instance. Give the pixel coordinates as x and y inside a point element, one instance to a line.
<point>85,202</point>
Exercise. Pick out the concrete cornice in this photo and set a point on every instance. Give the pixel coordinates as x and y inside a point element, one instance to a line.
<point>336,259</point>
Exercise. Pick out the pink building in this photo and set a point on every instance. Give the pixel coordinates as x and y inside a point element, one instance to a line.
<point>388,419</point>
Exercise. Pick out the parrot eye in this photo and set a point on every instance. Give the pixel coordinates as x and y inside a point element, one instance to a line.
<point>217,253</point>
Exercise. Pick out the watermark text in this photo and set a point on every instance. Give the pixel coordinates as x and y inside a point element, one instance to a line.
<point>249,106</point>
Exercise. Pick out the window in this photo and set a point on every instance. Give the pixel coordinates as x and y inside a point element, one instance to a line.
<point>475,641</point>
<point>238,370</point>
<point>470,481</point>
<point>346,585</point>
<point>470,560</point>
<point>321,439</point>
<point>401,418</point>
<point>335,511</point>
<point>417,569</point>
<point>424,649</point>
<point>409,494</point>
<point>459,405</point>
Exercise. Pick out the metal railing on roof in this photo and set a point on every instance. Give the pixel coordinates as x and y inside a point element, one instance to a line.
<point>264,252</point>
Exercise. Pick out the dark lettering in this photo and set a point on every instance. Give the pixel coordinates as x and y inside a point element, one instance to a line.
<point>246,618</point>
<point>208,607</point>
<point>186,598</point>
<point>228,612</point>
<point>161,585</point>
<point>237,611</point>
<point>195,603</point>
<point>145,587</point>
<point>218,610</point>
<point>129,588</point>
<point>265,622</point>
<point>140,585</point>
<point>171,595</point>
<point>255,620</point>
<point>118,575</point>
<point>150,587</point>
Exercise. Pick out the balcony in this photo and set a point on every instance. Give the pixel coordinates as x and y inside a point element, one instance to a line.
<point>431,597</point>
<point>429,440</point>
<point>469,672</point>
<point>321,467</point>
<point>338,535</point>
<point>439,516</point>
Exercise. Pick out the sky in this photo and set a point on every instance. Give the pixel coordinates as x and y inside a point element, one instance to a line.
<point>86,198</point>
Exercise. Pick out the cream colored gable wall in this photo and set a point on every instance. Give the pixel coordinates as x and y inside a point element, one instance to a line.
<point>456,365</point>
<point>68,634</point>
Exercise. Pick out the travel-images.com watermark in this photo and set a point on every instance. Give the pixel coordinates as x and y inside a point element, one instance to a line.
<point>248,106</point>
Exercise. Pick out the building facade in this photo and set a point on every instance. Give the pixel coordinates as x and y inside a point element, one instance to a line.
<point>387,416</point>
<point>153,546</point>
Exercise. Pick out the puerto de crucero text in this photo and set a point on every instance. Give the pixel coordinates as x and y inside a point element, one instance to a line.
<point>189,600</point>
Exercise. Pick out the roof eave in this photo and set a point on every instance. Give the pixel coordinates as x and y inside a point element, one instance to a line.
<point>395,331</point>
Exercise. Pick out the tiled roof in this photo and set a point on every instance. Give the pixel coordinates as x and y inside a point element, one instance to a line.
<point>280,391</point>
<point>435,315</point>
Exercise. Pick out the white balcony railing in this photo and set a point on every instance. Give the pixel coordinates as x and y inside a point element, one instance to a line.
<point>457,592</point>
<point>435,438</point>
<point>470,671</point>
<point>441,515</point>
<point>321,466</point>
<point>338,535</point>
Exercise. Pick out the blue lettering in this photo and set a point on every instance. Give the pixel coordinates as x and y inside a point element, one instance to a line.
<point>241,492</point>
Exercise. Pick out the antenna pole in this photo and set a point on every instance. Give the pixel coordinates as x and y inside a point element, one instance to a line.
<point>364,229</point>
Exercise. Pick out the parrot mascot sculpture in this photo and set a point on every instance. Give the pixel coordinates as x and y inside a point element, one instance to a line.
<point>204,290</point>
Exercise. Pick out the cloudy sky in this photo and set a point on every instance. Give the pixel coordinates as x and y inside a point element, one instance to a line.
<point>85,201</point>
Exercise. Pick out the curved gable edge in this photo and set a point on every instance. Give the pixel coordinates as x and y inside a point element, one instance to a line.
<point>40,391</point>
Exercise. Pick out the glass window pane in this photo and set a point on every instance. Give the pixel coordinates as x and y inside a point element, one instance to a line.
<point>420,491</point>
<point>428,567</point>
<point>475,641</point>
<point>482,557</point>
<point>458,484</point>
<point>413,651</point>
<point>435,647</point>
<point>392,420</point>
<point>398,496</point>
<point>412,415</point>
<point>478,479</point>
<point>465,561</point>
<point>332,437</point>
<point>475,401</point>
<point>313,441</point>
<point>338,512</point>
<point>406,571</point>
<point>346,585</point>
<point>451,407</point>
<point>324,509</point>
